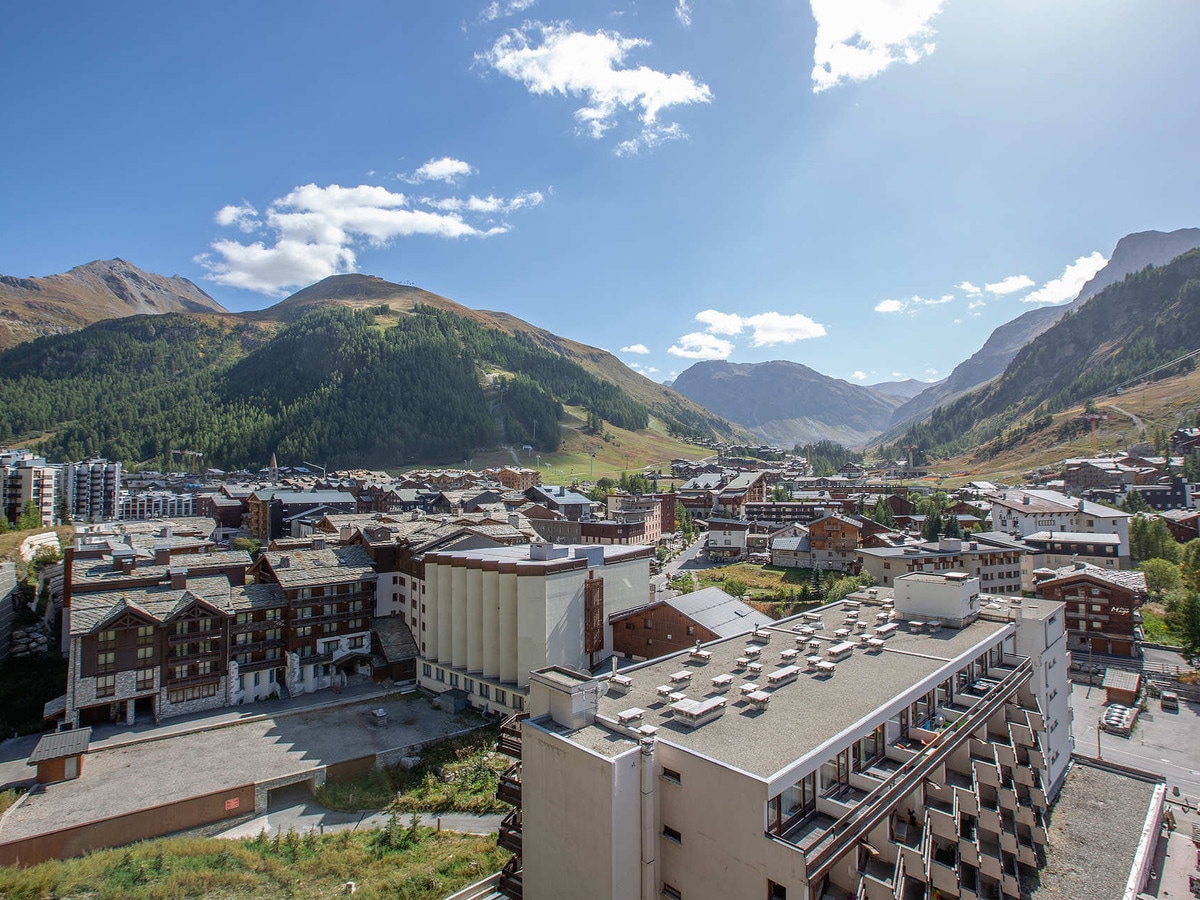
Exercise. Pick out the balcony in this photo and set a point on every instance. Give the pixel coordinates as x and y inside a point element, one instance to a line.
<point>509,742</point>
<point>509,788</point>
<point>510,832</point>
<point>511,877</point>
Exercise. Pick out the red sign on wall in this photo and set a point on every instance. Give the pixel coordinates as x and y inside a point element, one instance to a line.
<point>233,803</point>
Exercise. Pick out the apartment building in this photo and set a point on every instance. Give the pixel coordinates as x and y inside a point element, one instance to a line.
<point>1102,607</point>
<point>855,752</point>
<point>93,490</point>
<point>833,543</point>
<point>490,617</point>
<point>681,621</point>
<point>726,539</point>
<point>1022,513</point>
<point>158,650</point>
<point>330,596</point>
<point>998,567</point>
<point>25,477</point>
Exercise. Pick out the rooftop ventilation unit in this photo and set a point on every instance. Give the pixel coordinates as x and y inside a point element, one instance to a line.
<point>620,683</point>
<point>629,716</point>
<point>680,677</point>
<point>722,683</point>
<point>782,676</point>
<point>698,654</point>
<point>762,635</point>
<point>752,652</point>
<point>694,713</point>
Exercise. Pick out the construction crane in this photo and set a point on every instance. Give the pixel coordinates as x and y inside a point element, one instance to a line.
<point>193,457</point>
<point>1093,418</point>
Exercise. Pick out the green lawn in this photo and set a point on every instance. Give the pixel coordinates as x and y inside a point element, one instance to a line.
<point>1156,628</point>
<point>395,862</point>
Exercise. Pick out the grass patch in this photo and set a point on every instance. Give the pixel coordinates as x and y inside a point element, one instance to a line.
<point>7,799</point>
<point>1156,628</point>
<point>28,683</point>
<point>459,775</point>
<point>410,863</point>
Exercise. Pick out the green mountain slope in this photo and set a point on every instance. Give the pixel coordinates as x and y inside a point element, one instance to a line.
<point>343,385</point>
<point>1149,319</point>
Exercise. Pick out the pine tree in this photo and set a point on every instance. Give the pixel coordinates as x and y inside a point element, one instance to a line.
<point>31,516</point>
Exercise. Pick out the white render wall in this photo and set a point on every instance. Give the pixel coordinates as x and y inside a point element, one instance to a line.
<point>503,625</point>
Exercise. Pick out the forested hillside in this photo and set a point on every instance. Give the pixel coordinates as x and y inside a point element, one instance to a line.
<point>333,386</point>
<point>1147,320</point>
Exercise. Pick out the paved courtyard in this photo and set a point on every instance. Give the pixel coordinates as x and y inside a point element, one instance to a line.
<point>139,775</point>
<point>1164,742</point>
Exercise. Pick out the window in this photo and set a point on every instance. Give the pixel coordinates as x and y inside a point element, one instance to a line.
<point>106,662</point>
<point>672,835</point>
<point>304,631</point>
<point>485,691</point>
<point>501,696</point>
<point>145,679</point>
<point>204,668</point>
<point>329,646</point>
<point>182,695</point>
<point>106,640</point>
<point>691,629</point>
<point>426,670</point>
<point>648,624</point>
<point>468,685</point>
<point>243,618</point>
<point>669,890</point>
<point>776,891</point>
<point>518,702</point>
<point>330,609</point>
<point>441,675</point>
<point>672,776</point>
<point>145,654</point>
<point>145,635</point>
<point>106,686</point>
<point>204,624</point>
<point>357,643</point>
<point>453,679</point>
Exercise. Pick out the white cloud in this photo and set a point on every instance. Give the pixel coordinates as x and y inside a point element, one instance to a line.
<point>932,372</point>
<point>858,39</point>
<point>891,306</point>
<point>975,304</point>
<point>1067,287</point>
<point>859,375</point>
<point>553,59</point>
<point>635,348</point>
<point>650,370</point>
<point>316,232</point>
<point>488,205</point>
<point>968,288</point>
<point>772,328</point>
<point>1009,285</point>
<point>721,323</point>
<point>699,345</point>
<point>243,216</point>
<point>497,10</point>
<point>444,169</point>
<point>683,12</point>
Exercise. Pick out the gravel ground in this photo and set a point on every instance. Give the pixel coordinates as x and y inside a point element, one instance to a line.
<point>125,779</point>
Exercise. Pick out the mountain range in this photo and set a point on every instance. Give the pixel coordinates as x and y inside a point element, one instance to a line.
<point>100,290</point>
<point>351,370</point>
<point>788,403</point>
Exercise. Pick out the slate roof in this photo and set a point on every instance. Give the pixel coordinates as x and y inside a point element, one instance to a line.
<point>158,602</point>
<point>1130,581</point>
<point>308,567</point>
<point>396,642</point>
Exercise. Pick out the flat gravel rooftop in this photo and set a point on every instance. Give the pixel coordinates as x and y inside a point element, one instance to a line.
<point>1095,826</point>
<point>802,715</point>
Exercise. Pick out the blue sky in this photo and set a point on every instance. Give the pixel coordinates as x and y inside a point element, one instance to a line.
<point>864,186</point>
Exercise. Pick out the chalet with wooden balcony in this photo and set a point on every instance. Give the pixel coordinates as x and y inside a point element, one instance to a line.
<point>1101,607</point>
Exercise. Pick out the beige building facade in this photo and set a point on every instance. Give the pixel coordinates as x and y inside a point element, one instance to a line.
<point>848,753</point>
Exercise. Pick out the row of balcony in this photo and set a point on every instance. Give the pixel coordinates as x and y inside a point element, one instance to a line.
<point>509,790</point>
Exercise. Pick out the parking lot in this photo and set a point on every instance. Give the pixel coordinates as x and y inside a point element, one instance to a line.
<point>1162,742</point>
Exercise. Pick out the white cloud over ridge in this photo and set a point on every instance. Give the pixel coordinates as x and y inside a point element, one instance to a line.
<point>314,232</point>
<point>699,345</point>
<point>767,329</point>
<point>858,39</point>
<point>553,59</point>
<point>1067,286</point>
<point>1009,285</point>
<point>912,304</point>
<point>635,348</point>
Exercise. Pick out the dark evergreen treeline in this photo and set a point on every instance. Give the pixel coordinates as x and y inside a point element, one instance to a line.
<point>332,387</point>
<point>1129,328</point>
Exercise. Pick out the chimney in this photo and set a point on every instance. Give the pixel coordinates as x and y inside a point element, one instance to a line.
<point>1025,500</point>
<point>162,556</point>
<point>514,520</point>
<point>285,562</point>
<point>1080,565</point>
<point>165,532</point>
<point>319,543</point>
<point>178,577</point>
